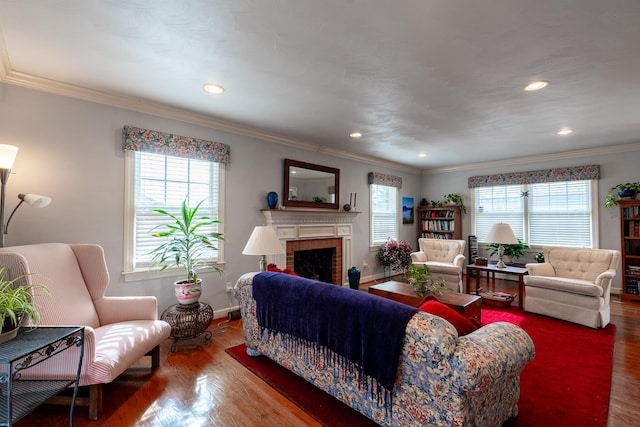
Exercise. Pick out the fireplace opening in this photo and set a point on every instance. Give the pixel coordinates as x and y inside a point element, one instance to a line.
<point>316,264</point>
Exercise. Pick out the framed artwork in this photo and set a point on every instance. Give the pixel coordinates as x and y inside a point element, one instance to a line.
<point>407,210</point>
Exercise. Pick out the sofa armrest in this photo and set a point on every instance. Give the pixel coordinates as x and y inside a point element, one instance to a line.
<point>459,260</point>
<point>496,350</point>
<point>541,269</point>
<point>121,309</point>
<point>418,256</point>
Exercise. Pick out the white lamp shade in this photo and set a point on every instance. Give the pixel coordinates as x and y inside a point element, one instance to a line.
<point>8,155</point>
<point>35,200</point>
<point>263,241</point>
<point>501,233</point>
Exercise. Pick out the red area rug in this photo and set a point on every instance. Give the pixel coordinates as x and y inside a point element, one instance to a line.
<point>567,384</point>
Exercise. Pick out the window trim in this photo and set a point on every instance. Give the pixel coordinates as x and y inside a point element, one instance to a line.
<point>130,274</point>
<point>373,247</point>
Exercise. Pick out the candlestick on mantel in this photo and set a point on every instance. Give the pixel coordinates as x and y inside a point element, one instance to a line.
<point>350,198</point>
<point>355,196</point>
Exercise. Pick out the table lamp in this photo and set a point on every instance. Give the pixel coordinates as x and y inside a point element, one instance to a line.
<point>263,241</point>
<point>501,234</point>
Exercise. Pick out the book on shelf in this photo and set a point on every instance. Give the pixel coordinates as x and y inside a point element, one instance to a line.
<point>631,286</point>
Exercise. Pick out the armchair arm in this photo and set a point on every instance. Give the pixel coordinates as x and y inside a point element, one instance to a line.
<point>418,257</point>
<point>498,349</point>
<point>459,260</point>
<point>604,280</point>
<point>122,309</point>
<point>541,269</point>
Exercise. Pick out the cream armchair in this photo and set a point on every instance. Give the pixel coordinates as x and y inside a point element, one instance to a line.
<point>445,258</point>
<point>572,284</point>
<point>118,330</point>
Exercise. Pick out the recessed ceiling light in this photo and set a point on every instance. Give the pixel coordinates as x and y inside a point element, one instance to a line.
<point>355,134</point>
<point>536,85</point>
<point>214,89</point>
<point>564,131</point>
<point>422,155</point>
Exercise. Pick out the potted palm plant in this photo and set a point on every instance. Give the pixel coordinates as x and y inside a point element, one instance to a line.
<point>16,302</point>
<point>186,246</point>
<point>511,251</point>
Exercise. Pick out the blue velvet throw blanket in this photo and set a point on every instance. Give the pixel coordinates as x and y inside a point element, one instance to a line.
<point>366,330</point>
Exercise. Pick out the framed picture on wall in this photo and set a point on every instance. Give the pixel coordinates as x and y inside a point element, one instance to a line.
<point>407,210</point>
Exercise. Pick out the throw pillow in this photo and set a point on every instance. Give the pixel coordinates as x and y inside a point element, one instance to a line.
<point>273,267</point>
<point>461,323</point>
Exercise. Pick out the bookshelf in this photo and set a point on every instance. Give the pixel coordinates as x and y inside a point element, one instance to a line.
<point>440,223</point>
<point>630,247</point>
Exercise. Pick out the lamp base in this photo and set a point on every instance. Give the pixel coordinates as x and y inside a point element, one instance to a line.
<point>263,263</point>
<point>501,264</point>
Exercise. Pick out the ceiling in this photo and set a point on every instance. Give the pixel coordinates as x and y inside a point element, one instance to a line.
<point>441,77</point>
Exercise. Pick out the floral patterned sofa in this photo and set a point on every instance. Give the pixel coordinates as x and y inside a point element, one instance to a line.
<point>441,379</point>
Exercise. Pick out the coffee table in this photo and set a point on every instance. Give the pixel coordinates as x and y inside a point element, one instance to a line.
<point>467,305</point>
<point>491,271</point>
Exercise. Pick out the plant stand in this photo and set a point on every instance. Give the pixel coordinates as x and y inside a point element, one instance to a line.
<point>188,321</point>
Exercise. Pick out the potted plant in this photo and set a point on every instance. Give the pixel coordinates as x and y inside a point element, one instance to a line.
<point>455,199</point>
<point>395,255</point>
<point>16,302</point>
<point>514,251</point>
<point>423,282</point>
<point>539,257</point>
<point>621,191</point>
<point>186,247</point>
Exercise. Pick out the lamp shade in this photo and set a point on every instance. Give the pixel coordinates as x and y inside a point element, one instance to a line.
<point>263,241</point>
<point>35,200</point>
<point>8,155</point>
<point>501,233</point>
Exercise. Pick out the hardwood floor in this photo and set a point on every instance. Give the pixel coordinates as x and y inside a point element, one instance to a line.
<point>200,385</point>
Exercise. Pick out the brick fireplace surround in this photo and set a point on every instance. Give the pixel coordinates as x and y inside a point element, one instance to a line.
<point>314,229</point>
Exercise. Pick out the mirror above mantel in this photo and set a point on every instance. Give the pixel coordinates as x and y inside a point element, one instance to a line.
<point>310,186</point>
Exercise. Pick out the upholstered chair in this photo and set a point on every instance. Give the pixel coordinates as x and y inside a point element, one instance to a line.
<point>118,330</point>
<point>573,284</point>
<point>445,259</point>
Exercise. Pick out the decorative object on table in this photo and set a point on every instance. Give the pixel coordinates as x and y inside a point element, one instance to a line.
<point>186,246</point>
<point>498,299</point>
<point>7,158</point>
<point>16,302</point>
<point>395,255</point>
<point>272,199</point>
<point>346,207</point>
<point>628,190</point>
<point>423,282</point>
<point>511,252</point>
<point>263,241</point>
<point>539,257</point>
<point>424,202</point>
<point>501,234</point>
<point>354,277</point>
<point>481,261</point>
<point>407,210</point>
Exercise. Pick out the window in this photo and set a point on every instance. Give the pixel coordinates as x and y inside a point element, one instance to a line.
<point>157,181</point>
<point>550,213</point>
<point>384,213</point>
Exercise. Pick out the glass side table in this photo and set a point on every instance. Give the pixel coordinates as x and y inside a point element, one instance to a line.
<point>19,393</point>
<point>188,321</point>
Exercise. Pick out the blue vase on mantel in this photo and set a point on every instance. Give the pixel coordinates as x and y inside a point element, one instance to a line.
<point>354,277</point>
<point>272,199</point>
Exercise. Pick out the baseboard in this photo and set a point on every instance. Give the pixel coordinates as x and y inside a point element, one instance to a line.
<point>219,314</point>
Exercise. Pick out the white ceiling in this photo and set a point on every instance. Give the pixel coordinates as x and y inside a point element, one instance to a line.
<point>444,77</point>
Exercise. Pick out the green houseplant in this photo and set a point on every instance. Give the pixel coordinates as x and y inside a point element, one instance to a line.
<point>455,199</point>
<point>621,191</point>
<point>186,247</point>
<point>16,301</point>
<point>515,251</point>
<point>395,255</point>
<point>423,282</point>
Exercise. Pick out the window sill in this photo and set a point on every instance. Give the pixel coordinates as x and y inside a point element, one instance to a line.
<point>149,274</point>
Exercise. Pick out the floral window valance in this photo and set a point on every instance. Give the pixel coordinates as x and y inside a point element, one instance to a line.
<point>384,179</point>
<point>138,139</point>
<point>577,173</point>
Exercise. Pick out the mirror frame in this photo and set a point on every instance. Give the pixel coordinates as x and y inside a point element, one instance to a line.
<point>288,164</point>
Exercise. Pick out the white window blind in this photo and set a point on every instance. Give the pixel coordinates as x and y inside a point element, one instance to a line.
<point>384,213</point>
<point>163,182</point>
<point>499,204</point>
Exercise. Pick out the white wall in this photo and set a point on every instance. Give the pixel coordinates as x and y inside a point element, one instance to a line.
<point>616,166</point>
<point>71,150</point>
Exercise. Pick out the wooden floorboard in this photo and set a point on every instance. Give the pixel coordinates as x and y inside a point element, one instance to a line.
<point>201,385</point>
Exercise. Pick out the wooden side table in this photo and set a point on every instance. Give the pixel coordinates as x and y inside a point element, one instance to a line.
<point>188,321</point>
<point>467,305</point>
<point>491,271</point>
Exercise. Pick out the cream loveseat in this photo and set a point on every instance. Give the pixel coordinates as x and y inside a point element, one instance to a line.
<point>118,330</point>
<point>572,284</point>
<point>445,258</point>
<point>438,378</point>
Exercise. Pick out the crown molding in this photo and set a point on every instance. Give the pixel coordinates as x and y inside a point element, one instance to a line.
<point>614,149</point>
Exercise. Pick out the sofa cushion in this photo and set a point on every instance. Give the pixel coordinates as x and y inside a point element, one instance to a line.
<point>574,286</point>
<point>583,264</point>
<point>461,323</point>
<point>441,267</point>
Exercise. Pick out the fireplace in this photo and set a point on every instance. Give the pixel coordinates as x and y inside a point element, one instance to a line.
<point>318,259</point>
<point>310,230</point>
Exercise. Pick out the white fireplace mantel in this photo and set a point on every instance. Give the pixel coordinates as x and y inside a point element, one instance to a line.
<point>298,224</point>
